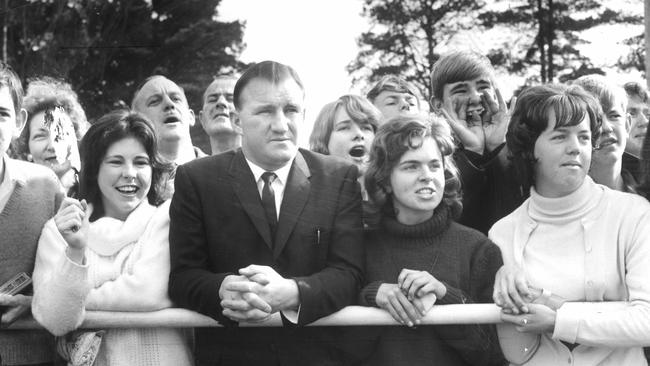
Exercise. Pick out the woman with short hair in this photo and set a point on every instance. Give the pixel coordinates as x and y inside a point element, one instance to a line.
<point>575,253</point>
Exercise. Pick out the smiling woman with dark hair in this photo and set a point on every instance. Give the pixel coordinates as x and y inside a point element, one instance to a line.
<point>573,238</point>
<point>110,251</point>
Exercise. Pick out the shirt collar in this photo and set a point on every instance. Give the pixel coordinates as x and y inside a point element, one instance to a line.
<point>12,173</point>
<point>282,173</point>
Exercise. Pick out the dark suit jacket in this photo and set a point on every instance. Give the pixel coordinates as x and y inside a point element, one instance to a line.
<point>218,226</point>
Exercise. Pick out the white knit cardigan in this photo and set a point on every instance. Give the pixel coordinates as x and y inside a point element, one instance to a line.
<point>126,268</point>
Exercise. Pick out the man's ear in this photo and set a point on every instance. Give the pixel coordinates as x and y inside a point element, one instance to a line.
<point>628,122</point>
<point>436,104</point>
<point>236,122</point>
<point>193,120</point>
<point>201,119</point>
<point>21,120</point>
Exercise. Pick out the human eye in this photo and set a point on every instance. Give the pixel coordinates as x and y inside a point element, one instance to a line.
<point>142,161</point>
<point>342,126</point>
<point>435,165</point>
<point>558,136</point>
<point>366,127</point>
<point>410,166</point>
<point>153,102</point>
<point>113,161</point>
<point>585,137</point>
<point>292,109</point>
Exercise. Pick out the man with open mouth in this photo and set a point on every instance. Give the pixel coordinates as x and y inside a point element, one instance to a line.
<point>164,103</point>
<point>218,117</point>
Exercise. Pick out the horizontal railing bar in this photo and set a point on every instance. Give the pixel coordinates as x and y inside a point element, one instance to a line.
<point>349,316</point>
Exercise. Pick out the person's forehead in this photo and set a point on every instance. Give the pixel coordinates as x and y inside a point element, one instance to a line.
<point>481,79</point>
<point>6,101</point>
<point>634,101</point>
<point>393,94</point>
<point>158,85</point>
<point>221,86</point>
<point>264,91</point>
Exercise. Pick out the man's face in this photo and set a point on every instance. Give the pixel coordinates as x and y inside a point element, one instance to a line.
<point>218,113</point>
<point>392,104</point>
<point>639,114</point>
<point>10,124</point>
<point>466,98</point>
<point>164,103</point>
<point>270,114</point>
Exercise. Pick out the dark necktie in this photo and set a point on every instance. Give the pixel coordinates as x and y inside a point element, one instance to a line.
<point>268,201</point>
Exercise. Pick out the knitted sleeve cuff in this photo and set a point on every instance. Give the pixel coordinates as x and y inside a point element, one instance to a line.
<point>453,296</point>
<point>368,295</point>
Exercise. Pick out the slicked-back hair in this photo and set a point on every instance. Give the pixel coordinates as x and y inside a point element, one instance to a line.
<point>458,66</point>
<point>10,80</point>
<point>392,83</point>
<point>360,110</point>
<point>603,90</point>
<point>570,105</point>
<point>271,71</point>
<point>393,139</point>
<point>636,89</point>
<point>109,129</point>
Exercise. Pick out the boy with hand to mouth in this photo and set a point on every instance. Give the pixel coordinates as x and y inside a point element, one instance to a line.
<point>463,91</point>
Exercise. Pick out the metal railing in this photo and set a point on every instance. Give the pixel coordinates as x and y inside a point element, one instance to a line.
<point>349,316</point>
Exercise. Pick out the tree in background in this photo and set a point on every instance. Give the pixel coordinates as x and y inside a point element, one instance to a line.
<point>404,35</point>
<point>551,30</point>
<point>104,48</point>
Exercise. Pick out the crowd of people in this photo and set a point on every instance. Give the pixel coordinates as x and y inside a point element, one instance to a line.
<point>539,205</point>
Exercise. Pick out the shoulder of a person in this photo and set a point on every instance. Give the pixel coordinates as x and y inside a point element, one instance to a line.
<point>213,161</point>
<point>507,222</point>
<point>625,204</point>
<point>327,164</point>
<point>32,173</point>
<point>466,236</point>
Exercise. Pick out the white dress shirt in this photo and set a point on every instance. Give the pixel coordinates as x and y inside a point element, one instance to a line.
<point>7,184</point>
<point>278,185</point>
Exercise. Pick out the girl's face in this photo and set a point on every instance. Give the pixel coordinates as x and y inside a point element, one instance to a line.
<point>417,183</point>
<point>46,148</point>
<point>124,177</point>
<point>563,158</point>
<point>613,138</point>
<point>351,140</point>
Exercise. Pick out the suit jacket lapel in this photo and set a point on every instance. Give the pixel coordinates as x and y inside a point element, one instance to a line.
<point>245,187</point>
<point>295,197</point>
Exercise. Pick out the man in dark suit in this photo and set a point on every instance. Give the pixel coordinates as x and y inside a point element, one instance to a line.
<point>266,229</point>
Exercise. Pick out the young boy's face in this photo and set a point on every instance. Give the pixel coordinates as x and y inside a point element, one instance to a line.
<point>10,123</point>
<point>468,96</point>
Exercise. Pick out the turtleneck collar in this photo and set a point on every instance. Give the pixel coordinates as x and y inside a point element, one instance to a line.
<point>568,208</point>
<point>438,222</point>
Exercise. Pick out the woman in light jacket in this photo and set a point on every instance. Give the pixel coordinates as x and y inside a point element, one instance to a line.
<point>110,250</point>
<point>575,253</point>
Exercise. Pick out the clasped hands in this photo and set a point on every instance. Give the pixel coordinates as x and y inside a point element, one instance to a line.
<point>411,298</point>
<point>256,293</point>
<point>16,305</point>
<point>522,304</point>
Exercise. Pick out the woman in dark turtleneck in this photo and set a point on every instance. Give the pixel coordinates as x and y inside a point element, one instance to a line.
<point>417,255</point>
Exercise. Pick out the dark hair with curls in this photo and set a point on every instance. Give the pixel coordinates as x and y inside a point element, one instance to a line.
<point>392,141</point>
<point>109,129</point>
<point>360,110</point>
<point>569,104</point>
